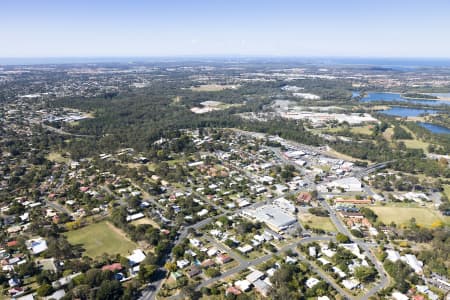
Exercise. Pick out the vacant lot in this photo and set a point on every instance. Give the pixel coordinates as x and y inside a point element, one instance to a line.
<point>213,87</point>
<point>145,221</point>
<point>102,237</point>
<point>339,155</point>
<point>388,133</point>
<point>313,221</point>
<point>401,215</point>
<point>416,144</point>
<point>367,130</point>
<point>447,190</point>
<point>57,157</point>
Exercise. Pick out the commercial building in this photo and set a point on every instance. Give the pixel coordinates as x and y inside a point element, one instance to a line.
<point>273,216</point>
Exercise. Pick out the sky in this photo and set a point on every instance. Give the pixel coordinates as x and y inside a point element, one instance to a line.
<point>317,28</point>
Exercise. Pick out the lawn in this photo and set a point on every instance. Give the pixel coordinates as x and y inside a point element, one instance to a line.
<point>367,130</point>
<point>102,237</point>
<point>334,153</point>
<point>145,221</point>
<point>388,133</point>
<point>447,190</point>
<point>416,144</point>
<point>401,215</point>
<point>313,221</point>
<point>57,157</point>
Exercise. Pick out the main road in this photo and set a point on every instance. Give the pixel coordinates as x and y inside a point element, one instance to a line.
<point>244,264</point>
<point>384,281</point>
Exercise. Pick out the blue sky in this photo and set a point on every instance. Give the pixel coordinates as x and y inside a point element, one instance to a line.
<point>378,28</point>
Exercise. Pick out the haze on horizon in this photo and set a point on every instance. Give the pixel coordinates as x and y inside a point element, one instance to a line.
<point>84,28</point>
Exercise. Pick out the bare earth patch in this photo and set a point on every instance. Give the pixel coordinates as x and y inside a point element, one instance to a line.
<point>214,87</point>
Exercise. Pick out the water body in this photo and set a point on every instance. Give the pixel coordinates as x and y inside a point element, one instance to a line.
<point>394,97</point>
<point>407,112</point>
<point>356,94</point>
<point>435,128</point>
<point>416,112</point>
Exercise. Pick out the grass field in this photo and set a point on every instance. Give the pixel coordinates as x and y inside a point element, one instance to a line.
<point>367,130</point>
<point>99,238</point>
<point>388,133</point>
<point>380,107</point>
<point>57,157</point>
<point>213,87</point>
<point>401,215</point>
<point>313,221</point>
<point>336,154</point>
<point>416,144</point>
<point>145,221</point>
<point>447,190</point>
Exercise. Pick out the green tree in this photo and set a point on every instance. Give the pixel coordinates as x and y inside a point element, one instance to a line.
<point>147,272</point>
<point>44,290</point>
<point>342,238</point>
<point>365,274</point>
<point>110,290</point>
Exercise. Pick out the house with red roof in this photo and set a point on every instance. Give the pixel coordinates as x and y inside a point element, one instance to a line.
<point>112,267</point>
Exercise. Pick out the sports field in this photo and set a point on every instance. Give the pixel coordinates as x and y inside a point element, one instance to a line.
<point>99,238</point>
<point>401,215</point>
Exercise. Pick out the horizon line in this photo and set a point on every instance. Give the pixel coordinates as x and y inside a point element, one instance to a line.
<point>61,60</point>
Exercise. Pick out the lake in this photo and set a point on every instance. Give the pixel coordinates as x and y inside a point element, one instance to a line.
<point>392,97</point>
<point>435,128</point>
<point>407,112</point>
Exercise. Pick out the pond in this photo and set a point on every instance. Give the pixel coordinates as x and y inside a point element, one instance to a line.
<point>395,97</point>
<point>407,112</point>
<point>435,128</point>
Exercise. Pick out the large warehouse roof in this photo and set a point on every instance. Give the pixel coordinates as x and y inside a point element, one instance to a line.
<point>272,215</point>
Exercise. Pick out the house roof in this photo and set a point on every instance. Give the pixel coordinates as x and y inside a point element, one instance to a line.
<point>255,275</point>
<point>137,257</point>
<point>194,271</point>
<point>11,244</point>
<point>233,290</point>
<point>208,263</point>
<point>112,267</point>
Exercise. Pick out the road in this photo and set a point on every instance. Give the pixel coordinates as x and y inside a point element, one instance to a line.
<point>58,207</point>
<point>225,249</point>
<point>372,168</point>
<point>58,130</point>
<point>150,292</point>
<point>216,207</point>
<point>325,277</point>
<point>384,281</point>
<point>244,264</point>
